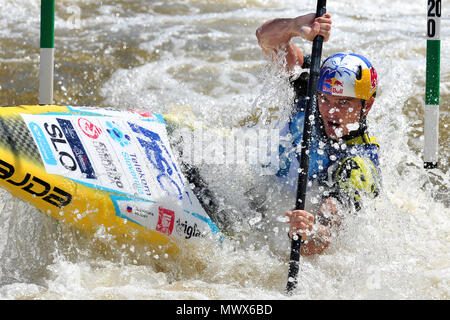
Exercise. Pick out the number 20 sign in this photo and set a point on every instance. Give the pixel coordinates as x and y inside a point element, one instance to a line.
<point>434,19</point>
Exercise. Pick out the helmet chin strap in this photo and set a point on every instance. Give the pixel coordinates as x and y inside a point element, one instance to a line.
<point>362,117</point>
<point>362,128</point>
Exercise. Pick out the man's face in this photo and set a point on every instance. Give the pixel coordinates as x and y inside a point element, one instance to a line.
<point>340,115</point>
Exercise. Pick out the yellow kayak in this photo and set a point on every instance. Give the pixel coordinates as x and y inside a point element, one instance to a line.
<point>101,170</point>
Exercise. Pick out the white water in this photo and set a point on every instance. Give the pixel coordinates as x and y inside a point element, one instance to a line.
<point>204,54</point>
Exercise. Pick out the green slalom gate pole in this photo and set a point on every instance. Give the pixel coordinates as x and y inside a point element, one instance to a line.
<point>431,112</point>
<point>47,51</point>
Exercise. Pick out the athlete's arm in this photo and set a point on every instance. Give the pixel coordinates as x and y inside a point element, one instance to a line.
<point>276,34</point>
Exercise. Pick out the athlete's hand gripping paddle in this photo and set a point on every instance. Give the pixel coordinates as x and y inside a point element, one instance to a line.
<point>310,115</point>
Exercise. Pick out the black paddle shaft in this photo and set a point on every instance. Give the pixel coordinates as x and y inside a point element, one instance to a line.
<point>310,116</point>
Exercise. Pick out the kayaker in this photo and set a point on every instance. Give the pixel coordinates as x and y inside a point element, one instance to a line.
<point>343,158</point>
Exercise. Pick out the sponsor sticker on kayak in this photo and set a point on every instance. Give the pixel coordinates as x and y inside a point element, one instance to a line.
<point>127,157</point>
<point>173,221</point>
<point>109,153</point>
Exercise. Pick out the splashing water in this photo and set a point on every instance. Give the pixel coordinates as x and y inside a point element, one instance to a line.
<point>203,54</point>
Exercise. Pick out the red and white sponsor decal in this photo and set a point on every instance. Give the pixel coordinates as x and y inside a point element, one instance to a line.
<point>89,129</point>
<point>166,221</point>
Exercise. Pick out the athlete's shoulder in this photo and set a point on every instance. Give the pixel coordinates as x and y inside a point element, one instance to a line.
<point>300,85</point>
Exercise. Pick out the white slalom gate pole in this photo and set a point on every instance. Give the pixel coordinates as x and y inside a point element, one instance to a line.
<point>47,51</point>
<point>431,112</point>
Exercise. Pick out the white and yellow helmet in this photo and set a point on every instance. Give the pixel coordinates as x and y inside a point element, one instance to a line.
<point>348,75</point>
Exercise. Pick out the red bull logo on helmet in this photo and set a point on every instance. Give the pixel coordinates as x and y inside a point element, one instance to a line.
<point>333,86</point>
